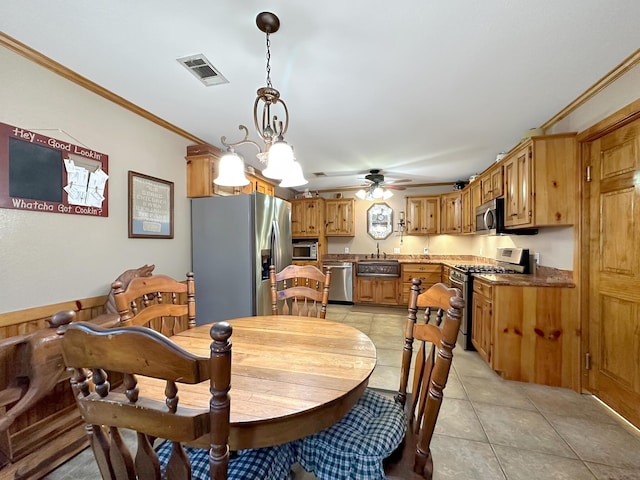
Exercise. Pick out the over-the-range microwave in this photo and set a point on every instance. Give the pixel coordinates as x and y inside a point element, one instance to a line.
<point>305,250</point>
<point>490,220</point>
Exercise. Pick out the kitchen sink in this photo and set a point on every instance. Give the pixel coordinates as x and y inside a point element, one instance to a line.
<point>377,268</point>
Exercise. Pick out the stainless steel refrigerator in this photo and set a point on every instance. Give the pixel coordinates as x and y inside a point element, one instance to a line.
<point>234,241</point>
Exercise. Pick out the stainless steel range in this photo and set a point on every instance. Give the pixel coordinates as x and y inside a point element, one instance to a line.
<point>508,260</point>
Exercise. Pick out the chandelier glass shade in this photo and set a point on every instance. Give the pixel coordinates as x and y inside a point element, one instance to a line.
<point>295,178</point>
<point>374,192</point>
<point>276,154</point>
<point>231,171</point>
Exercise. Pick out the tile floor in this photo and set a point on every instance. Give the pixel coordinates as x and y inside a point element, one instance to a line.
<point>488,428</point>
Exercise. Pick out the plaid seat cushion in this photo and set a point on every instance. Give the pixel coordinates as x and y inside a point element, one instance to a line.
<point>353,448</point>
<point>273,463</point>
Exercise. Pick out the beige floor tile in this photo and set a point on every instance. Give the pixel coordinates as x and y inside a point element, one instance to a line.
<point>565,402</point>
<point>454,388</point>
<point>496,391</point>
<point>520,465</point>
<point>458,419</point>
<point>606,472</point>
<point>599,442</point>
<point>523,429</point>
<point>460,459</point>
<point>386,378</point>
<point>528,444</point>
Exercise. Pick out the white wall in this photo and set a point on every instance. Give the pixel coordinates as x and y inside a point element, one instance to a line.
<point>48,258</point>
<point>554,244</point>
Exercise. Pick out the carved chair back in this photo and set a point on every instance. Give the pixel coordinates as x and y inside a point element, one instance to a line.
<point>157,301</point>
<point>436,336</point>
<point>300,290</point>
<point>92,351</point>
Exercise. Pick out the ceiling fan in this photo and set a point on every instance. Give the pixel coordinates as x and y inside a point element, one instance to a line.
<point>376,179</point>
<point>376,188</point>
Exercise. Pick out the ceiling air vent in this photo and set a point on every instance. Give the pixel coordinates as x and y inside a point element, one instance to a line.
<point>203,70</point>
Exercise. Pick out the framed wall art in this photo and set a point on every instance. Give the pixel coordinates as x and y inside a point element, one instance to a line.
<point>379,221</point>
<point>150,207</point>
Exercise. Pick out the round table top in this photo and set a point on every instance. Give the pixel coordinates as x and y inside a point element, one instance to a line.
<point>290,376</point>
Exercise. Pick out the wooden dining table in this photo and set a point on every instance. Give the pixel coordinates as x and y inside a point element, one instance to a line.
<point>290,376</point>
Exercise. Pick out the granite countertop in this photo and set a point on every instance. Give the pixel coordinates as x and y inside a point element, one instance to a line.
<point>543,276</point>
<point>527,280</point>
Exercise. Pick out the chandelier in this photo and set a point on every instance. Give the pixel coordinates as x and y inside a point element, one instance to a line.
<point>276,154</point>
<point>374,192</point>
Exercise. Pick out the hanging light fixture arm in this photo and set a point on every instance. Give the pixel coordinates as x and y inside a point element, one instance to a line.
<point>245,140</point>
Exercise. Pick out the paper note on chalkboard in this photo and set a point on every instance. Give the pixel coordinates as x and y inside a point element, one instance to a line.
<point>84,186</point>
<point>45,174</point>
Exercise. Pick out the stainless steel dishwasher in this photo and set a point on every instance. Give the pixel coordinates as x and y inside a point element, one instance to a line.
<point>341,288</point>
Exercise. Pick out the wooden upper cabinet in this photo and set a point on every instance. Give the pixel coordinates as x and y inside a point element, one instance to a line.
<point>307,217</point>
<point>491,182</point>
<point>451,217</point>
<point>257,184</point>
<point>423,215</point>
<point>202,169</point>
<point>339,217</point>
<point>541,182</point>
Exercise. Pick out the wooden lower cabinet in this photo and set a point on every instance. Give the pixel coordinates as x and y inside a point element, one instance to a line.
<point>430,274</point>
<point>528,333</point>
<point>482,305</point>
<point>381,290</point>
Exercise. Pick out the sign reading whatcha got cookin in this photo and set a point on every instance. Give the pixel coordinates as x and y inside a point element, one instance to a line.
<point>45,174</point>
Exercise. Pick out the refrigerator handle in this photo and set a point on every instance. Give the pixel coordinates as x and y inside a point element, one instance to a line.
<point>276,250</point>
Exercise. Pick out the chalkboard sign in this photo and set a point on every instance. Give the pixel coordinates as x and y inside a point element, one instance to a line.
<point>44,174</point>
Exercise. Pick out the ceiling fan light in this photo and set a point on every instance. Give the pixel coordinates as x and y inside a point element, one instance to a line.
<point>231,171</point>
<point>387,194</point>
<point>294,176</point>
<point>361,194</point>
<point>377,192</point>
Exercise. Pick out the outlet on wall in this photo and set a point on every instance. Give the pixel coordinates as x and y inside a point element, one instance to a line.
<point>396,249</point>
<point>425,250</point>
<point>346,249</point>
<point>536,258</point>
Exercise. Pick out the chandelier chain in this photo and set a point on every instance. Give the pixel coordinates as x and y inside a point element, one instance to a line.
<point>269,61</point>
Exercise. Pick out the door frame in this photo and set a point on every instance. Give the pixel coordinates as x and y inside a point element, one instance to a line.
<point>619,119</point>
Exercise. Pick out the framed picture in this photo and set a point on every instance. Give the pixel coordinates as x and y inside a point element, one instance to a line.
<point>150,207</point>
<point>379,221</point>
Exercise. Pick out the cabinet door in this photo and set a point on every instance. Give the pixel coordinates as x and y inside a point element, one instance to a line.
<point>339,217</point>
<point>366,289</point>
<point>423,215</point>
<point>298,210</point>
<point>518,185</point>
<point>466,211</point>
<point>415,213</point>
<point>496,181</point>
<point>476,201</point>
<point>481,326</point>
<point>451,213</point>
<point>387,291</point>
<point>517,180</point>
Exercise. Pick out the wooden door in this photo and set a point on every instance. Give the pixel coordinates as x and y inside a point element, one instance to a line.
<point>613,209</point>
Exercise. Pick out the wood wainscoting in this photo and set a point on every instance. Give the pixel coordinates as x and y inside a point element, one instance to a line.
<point>49,433</point>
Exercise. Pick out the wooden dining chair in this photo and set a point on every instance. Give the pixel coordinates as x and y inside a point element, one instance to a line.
<point>92,351</point>
<point>142,351</point>
<point>304,290</point>
<point>157,301</point>
<point>436,334</point>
